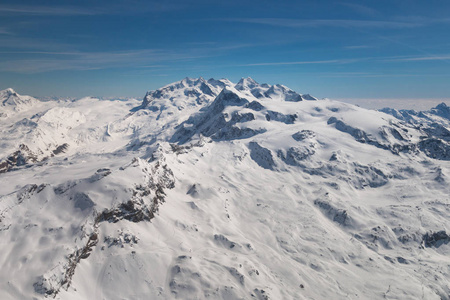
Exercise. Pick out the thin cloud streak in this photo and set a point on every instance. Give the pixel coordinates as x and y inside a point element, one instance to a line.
<point>384,75</point>
<point>295,23</point>
<point>122,8</point>
<point>358,47</point>
<point>47,10</point>
<point>33,44</point>
<point>420,58</point>
<point>41,52</point>
<point>98,60</point>
<point>370,75</point>
<point>332,61</point>
<point>153,66</point>
<point>39,61</point>
<point>4,31</point>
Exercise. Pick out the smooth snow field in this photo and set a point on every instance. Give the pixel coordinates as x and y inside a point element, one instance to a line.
<point>208,189</point>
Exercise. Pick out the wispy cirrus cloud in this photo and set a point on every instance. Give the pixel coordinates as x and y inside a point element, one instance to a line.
<point>355,47</point>
<point>445,58</point>
<point>54,61</point>
<point>4,30</point>
<point>375,75</point>
<point>331,61</point>
<point>115,7</point>
<point>298,23</point>
<point>46,61</point>
<point>40,52</point>
<point>419,58</point>
<point>17,43</point>
<point>46,10</point>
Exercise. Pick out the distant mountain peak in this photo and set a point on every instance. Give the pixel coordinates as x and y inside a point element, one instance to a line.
<point>246,83</point>
<point>230,93</point>
<point>308,97</point>
<point>439,114</point>
<point>197,92</point>
<point>192,81</point>
<point>7,92</point>
<point>442,110</point>
<point>442,106</point>
<point>10,98</point>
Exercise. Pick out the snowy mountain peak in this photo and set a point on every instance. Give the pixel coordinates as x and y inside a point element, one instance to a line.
<point>246,83</point>
<point>8,91</point>
<point>442,106</point>
<point>184,93</point>
<point>189,82</point>
<point>230,96</point>
<point>197,92</point>
<point>442,110</point>
<point>282,93</point>
<point>439,114</point>
<point>10,98</point>
<point>308,97</point>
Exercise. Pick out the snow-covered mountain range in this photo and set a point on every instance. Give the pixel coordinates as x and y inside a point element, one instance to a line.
<point>208,189</point>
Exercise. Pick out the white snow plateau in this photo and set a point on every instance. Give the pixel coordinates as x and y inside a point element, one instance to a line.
<point>208,189</point>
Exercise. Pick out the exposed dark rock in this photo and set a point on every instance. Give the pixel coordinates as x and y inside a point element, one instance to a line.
<point>82,201</point>
<point>236,274</point>
<point>262,156</point>
<point>436,239</point>
<point>122,240</point>
<point>358,134</point>
<point>61,149</point>
<point>294,155</point>
<point>279,117</point>
<point>193,191</point>
<point>19,158</point>
<point>335,214</point>
<point>435,148</point>
<point>74,260</point>
<point>132,211</point>
<point>223,241</point>
<point>303,135</point>
<point>101,173</point>
<point>27,191</point>
<point>255,105</point>
<point>64,187</point>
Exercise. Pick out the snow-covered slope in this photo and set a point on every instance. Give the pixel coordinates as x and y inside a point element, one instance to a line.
<point>51,128</point>
<point>212,190</point>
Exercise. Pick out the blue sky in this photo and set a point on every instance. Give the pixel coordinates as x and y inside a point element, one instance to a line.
<point>334,49</point>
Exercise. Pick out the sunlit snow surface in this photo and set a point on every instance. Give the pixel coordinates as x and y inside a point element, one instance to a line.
<point>211,190</point>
